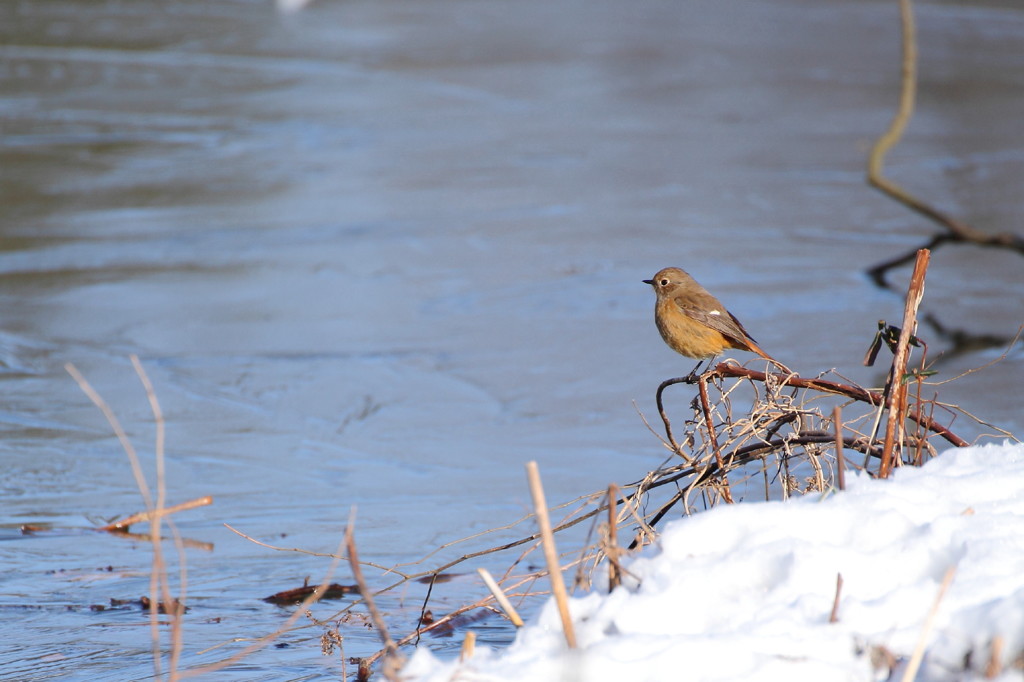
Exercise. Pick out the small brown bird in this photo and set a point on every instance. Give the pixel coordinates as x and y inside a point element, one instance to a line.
<point>694,323</point>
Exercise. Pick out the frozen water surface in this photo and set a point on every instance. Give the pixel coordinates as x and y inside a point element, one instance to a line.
<point>382,253</point>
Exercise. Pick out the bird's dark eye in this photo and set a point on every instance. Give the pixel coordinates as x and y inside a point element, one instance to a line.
<point>663,282</point>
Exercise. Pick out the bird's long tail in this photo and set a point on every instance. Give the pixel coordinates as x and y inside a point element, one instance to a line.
<point>754,348</point>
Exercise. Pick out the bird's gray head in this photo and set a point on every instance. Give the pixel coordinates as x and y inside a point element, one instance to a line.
<point>668,280</point>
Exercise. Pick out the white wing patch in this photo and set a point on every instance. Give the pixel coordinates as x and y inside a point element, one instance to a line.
<point>714,312</point>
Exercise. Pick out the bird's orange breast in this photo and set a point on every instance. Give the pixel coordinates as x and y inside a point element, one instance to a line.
<point>688,337</point>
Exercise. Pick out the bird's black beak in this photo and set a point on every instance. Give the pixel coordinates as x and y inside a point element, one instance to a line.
<point>649,281</point>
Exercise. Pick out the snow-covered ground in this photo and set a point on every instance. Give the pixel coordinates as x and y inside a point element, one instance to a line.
<point>745,592</point>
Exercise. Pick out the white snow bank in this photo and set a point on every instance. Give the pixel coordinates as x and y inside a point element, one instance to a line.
<point>744,592</point>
